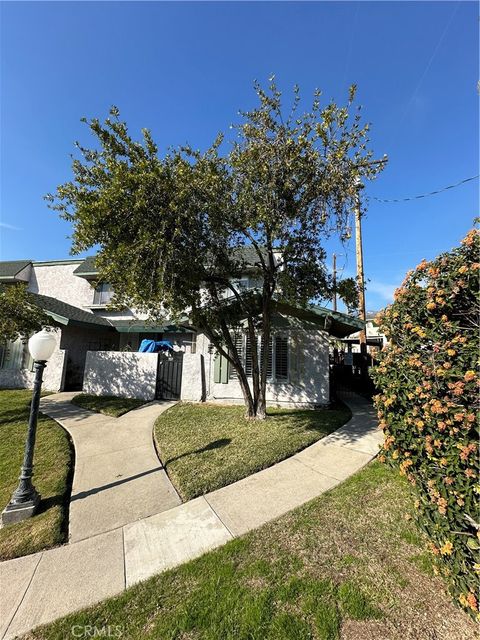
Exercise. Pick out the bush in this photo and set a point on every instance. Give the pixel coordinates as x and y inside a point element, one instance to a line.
<point>428,377</point>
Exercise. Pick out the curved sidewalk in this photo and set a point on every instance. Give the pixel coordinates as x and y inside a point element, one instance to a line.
<point>51,584</point>
<point>118,478</point>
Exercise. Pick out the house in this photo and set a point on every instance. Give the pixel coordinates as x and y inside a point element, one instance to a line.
<point>376,340</point>
<point>97,346</point>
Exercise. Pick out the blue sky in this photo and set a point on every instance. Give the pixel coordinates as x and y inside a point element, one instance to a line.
<point>184,70</point>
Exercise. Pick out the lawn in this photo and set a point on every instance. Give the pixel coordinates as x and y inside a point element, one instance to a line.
<point>347,565</point>
<point>108,405</point>
<point>53,460</point>
<point>207,446</point>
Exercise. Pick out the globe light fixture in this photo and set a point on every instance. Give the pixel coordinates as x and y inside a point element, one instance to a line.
<point>41,345</point>
<point>25,498</point>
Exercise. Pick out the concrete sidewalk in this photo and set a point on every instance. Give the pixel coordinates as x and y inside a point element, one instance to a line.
<point>118,478</point>
<point>42,587</point>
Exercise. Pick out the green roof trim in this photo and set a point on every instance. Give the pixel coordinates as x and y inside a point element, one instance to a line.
<point>9,269</point>
<point>140,326</point>
<point>87,268</point>
<point>65,314</point>
<point>336,323</point>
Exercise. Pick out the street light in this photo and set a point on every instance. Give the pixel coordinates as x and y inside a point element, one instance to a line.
<point>25,498</point>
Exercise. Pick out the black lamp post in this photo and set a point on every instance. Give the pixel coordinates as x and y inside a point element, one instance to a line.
<point>25,498</point>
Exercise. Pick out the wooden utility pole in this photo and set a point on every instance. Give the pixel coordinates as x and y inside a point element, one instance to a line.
<point>360,276</point>
<point>334,282</point>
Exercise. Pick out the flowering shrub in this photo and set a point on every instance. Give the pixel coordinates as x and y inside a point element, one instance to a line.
<point>428,376</point>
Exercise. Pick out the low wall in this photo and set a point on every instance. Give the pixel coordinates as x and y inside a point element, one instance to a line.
<point>53,375</point>
<point>123,374</point>
<point>193,378</point>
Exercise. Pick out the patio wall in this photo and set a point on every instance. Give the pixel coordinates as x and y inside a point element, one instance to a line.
<point>123,374</point>
<point>53,375</point>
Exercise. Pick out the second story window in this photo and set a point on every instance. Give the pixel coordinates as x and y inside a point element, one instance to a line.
<point>103,294</point>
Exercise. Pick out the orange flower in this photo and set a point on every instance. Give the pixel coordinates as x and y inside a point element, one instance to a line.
<point>423,265</point>
<point>442,506</point>
<point>431,306</point>
<point>447,548</point>
<point>469,375</point>
<point>472,601</point>
<point>470,238</point>
<point>463,269</point>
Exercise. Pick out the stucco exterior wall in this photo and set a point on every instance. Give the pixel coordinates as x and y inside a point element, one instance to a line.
<point>58,281</point>
<point>193,378</point>
<point>123,374</point>
<point>308,383</point>
<point>53,376</point>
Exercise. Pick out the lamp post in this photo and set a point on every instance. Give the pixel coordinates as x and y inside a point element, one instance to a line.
<point>25,498</point>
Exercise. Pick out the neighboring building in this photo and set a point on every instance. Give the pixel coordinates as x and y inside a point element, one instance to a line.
<point>376,340</point>
<point>98,347</point>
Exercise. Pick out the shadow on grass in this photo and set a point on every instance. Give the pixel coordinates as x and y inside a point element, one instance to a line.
<point>216,444</point>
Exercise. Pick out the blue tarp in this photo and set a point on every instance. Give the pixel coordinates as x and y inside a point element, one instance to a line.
<point>154,346</point>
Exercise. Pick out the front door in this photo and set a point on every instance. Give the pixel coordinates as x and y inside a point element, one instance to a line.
<point>169,376</point>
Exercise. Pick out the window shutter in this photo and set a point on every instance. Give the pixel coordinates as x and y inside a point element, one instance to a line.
<point>248,356</point>
<point>281,358</point>
<point>220,369</point>
<point>239,347</point>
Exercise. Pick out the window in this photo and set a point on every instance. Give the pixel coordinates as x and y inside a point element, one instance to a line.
<point>277,362</point>
<point>103,294</point>
<point>13,355</point>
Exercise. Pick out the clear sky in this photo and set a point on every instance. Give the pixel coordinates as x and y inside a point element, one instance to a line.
<point>184,69</point>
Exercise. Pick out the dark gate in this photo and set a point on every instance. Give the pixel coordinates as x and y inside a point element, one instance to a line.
<point>169,376</point>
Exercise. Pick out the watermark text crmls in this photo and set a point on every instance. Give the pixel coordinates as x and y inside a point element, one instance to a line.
<point>94,631</point>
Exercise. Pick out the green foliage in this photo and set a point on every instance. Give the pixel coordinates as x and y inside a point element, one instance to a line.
<point>19,316</point>
<point>428,377</point>
<point>176,232</point>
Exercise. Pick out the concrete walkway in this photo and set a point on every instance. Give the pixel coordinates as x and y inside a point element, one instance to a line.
<point>42,587</point>
<point>118,478</point>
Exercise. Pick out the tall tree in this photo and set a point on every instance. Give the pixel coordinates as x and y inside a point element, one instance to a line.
<point>19,315</point>
<point>177,232</point>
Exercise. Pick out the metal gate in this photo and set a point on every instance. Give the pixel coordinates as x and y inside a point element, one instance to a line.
<point>169,376</point>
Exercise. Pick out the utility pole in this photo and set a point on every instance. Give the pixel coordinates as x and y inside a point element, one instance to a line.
<point>334,282</point>
<point>360,276</point>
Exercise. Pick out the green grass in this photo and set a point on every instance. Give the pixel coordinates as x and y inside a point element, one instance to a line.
<point>206,446</point>
<point>108,405</point>
<point>322,572</point>
<point>53,460</point>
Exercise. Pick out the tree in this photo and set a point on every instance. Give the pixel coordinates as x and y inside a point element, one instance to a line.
<point>19,316</point>
<point>177,232</point>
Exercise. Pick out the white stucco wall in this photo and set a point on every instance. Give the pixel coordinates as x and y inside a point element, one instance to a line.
<point>123,374</point>
<point>308,382</point>
<point>193,378</point>
<point>58,281</point>
<point>53,375</point>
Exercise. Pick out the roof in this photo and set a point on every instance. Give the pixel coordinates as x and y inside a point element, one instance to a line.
<point>337,324</point>
<point>68,314</point>
<point>10,268</point>
<point>87,268</point>
<point>246,253</point>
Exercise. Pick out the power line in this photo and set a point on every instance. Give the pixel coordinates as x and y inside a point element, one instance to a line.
<point>425,195</point>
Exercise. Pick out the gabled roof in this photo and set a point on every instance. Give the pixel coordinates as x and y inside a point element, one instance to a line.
<point>335,323</point>
<point>87,268</point>
<point>9,269</point>
<point>65,313</point>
